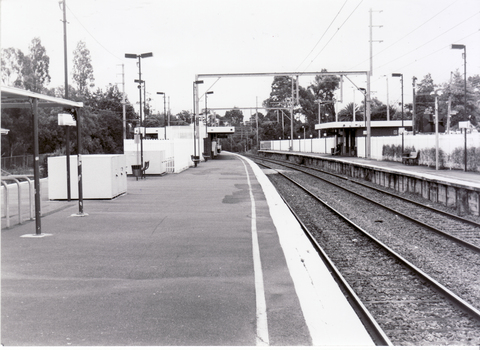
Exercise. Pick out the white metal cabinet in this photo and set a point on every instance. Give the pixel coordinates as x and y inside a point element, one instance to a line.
<point>104,176</point>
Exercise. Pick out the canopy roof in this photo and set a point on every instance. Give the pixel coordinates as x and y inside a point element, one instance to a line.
<point>19,98</point>
<point>361,124</point>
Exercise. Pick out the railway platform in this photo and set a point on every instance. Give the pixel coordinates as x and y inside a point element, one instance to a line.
<point>453,188</point>
<point>207,257</point>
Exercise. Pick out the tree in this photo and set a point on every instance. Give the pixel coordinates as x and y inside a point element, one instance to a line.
<point>184,118</point>
<point>82,68</point>
<point>323,88</point>
<point>280,97</point>
<point>35,68</point>
<point>154,121</point>
<point>346,114</point>
<point>455,90</point>
<point>11,67</point>
<point>234,117</point>
<point>30,72</point>
<point>281,93</point>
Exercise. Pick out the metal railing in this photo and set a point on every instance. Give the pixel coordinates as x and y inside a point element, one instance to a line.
<point>7,200</point>
<point>15,162</point>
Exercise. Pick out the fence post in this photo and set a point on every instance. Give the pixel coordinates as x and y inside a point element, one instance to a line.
<point>6,205</point>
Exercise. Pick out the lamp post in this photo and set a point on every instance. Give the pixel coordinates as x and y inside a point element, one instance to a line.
<point>436,93</point>
<point>364,92</point>
<point>401,80</point>
<point>195,159</point>
<point>206,110</point>
<point>139,57</point>
<point>164,113</point>
<point>464,48</point>
<point>388,104</point>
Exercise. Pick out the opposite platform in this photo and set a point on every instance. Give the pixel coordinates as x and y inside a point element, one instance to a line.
<point>210,256</point>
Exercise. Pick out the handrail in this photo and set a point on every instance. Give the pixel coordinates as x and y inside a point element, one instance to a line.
<point>6,204</point>
<point>31,192</point>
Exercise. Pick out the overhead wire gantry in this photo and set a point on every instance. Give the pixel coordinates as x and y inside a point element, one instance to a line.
<point>293,75</point>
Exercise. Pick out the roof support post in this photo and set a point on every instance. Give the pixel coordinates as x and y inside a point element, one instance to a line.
<point>368,120</point>
<point>36,168</point>
<point>79,164</point>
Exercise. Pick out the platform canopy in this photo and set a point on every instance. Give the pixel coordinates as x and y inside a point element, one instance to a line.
<point>361,124</point>
<point>19,98</point>
<point>221,130</point>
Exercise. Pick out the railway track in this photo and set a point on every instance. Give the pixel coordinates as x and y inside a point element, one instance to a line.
<point>459,229</point>
<point>409,304</point>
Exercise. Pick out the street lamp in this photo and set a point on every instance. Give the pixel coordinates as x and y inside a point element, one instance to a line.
<point>364,92</point>
<point>140,82</point>
<point>164,113</point>
<point>403,129</point>
<point>464,48</point>
<point>139,57</point>
<point>206,110</point>
<point>436,93</point>
<point>195,157</point>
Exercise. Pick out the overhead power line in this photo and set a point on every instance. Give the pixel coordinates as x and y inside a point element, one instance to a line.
<point>447,47</point>
<point>98,42</point>
<point>406,35</point>
<point>325,32</point>
<point>421,25</point>
<point>338,29</point>
<point>448,30</point>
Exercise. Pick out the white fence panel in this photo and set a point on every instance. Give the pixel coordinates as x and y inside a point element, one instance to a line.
<point>447,143</point>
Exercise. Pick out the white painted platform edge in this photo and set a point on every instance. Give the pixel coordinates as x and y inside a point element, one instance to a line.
<point>328,315</point>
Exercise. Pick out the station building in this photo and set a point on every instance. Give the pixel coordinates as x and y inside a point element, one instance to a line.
<point>349,134</point>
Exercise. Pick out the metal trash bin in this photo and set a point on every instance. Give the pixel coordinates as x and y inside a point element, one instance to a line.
<point>196,160</point>
<point>137,171</point>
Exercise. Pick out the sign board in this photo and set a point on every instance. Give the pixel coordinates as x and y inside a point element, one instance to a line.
<point>139,130</point>
<point>66,119</point>
<point>464,125</point>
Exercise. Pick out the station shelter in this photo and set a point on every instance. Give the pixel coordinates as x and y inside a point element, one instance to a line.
<point>348,133</point>
<point>19,98</point>
<point>212,142</point>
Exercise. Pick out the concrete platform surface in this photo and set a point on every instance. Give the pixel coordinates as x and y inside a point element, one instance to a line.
<point>206,257</point>
<point>468,178</point>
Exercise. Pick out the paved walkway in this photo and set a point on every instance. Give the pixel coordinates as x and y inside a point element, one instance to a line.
<point>173,262</point>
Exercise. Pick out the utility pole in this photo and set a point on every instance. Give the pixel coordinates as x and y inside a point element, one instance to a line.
<point>124,103</point>
<point>291,120</point>
<point>67,130</point>
<point>414,79</point>
<point>371,40</point>
<point>256,117</point>
<point>388,102</point>
<point>168,110</point>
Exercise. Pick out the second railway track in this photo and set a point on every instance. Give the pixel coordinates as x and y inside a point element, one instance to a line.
<point>402,303</point>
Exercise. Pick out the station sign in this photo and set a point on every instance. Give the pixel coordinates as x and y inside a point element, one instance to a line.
<point>464,125</point>
<point>66,119</point>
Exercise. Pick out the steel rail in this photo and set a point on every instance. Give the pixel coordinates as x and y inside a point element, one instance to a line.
<point>373,328</point>
<point>464,305</point>
<point>460,241</point>
<point>439,211</point>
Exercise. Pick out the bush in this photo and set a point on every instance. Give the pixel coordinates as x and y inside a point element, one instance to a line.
<point>393,152</point>
<point>456,160</point>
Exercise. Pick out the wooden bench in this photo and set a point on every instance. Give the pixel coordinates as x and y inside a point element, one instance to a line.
<point>411,158</point>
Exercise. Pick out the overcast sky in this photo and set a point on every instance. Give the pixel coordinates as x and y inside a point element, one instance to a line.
<point>189,37</point>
